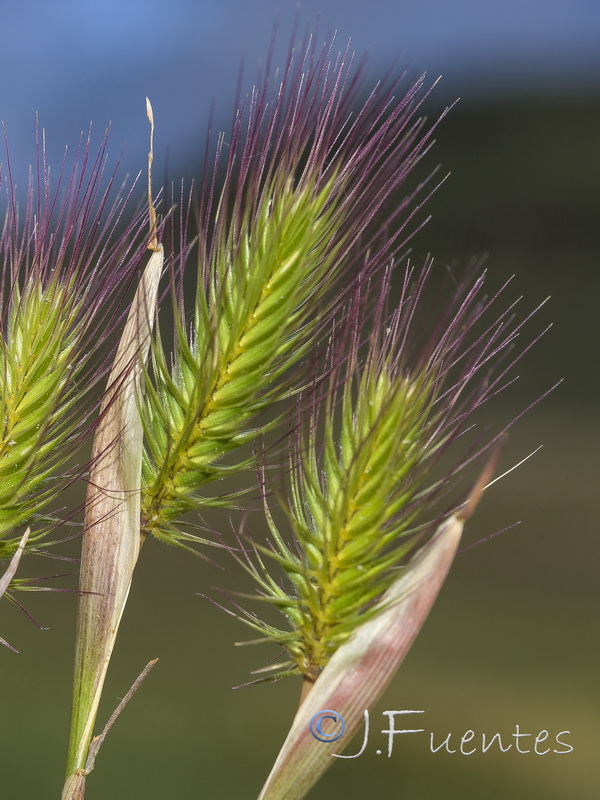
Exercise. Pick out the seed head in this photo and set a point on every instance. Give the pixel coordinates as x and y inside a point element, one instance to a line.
<point>66,262</point>
<point>307,186</point>
<point>364,470</point>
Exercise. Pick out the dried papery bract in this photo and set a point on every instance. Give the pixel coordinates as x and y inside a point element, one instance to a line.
<point>14,563</point>
<point>111,539</point>
<point>9,573</point>
<point>360,669</point>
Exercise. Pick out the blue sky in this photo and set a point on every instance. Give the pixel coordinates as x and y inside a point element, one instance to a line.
<point>79,60</point>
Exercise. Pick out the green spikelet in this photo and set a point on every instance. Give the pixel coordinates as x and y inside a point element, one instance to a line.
<point>352,533</point>
<point>228,372</point>
<point>360,477</point>
<point>36,396</point>
<point>346,492</point>
<point>306,190</point>
<point>64,264</point>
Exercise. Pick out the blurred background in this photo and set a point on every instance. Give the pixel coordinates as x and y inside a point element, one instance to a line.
<point>513,638</point>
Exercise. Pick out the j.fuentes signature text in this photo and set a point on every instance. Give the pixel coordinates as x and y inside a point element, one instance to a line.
<point>328,725</point>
